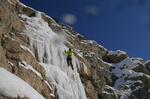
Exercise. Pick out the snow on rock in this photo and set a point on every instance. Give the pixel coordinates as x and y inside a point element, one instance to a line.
<point>148,61</point>
<point>79,52</point>
<point>124,70</point>
<point>27,66</point>
<point>13,86</point>
<point>27,49</point>
<point>148,90</point>
<point>10,2</point>
<point>48,47</point>
<point>90,41</point>
<point>93,42</point>
<point>111,89</point>
<point>10,63</point>
<point>126,64</point>
<point>115,56</point>
<point>118,52</point>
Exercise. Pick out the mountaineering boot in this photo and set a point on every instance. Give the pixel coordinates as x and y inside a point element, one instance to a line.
<point>71,66</point>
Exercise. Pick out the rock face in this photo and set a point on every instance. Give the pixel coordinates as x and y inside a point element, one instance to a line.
<point>104,74</point>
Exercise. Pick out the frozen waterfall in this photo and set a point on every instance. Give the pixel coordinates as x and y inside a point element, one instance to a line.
<point>49,48</point>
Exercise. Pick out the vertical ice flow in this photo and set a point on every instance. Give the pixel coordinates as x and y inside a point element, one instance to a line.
<point>49,48</point>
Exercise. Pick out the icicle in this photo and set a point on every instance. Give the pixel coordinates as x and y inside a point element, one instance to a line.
<point>49,48</point>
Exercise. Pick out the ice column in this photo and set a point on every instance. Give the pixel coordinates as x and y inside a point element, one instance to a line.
<point>49,48</point>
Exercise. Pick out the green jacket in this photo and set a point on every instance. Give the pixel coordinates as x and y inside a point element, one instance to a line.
<point>69,53</point>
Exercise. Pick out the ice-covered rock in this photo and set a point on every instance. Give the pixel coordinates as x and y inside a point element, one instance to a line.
<point>49,48</point>
<point>130,79</point>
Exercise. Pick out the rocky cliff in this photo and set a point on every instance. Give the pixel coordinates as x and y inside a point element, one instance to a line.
<point>33,66</point>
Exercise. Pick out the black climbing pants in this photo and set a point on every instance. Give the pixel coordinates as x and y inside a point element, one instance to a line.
<point>69,62</point>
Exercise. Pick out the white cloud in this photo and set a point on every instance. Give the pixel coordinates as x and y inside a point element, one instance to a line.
<point>69,19</point>
<point>92,10</point>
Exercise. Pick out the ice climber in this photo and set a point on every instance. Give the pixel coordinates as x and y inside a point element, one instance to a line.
<point>69,54</point>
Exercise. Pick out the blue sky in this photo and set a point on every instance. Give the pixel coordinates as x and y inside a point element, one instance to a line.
<point>115,24</point>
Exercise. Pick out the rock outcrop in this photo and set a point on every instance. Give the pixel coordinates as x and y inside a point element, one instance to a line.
<point>104,74</point>
<point>114,56</point>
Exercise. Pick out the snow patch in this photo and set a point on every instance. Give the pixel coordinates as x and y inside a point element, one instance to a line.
<point>27,66</point>
<point>148,61</point>
<point>27,49</point>
<point>13,86</point>
<point>79,52</point>
<point>118,52</point>
<point>90,41</point>
<point>10,63</point>
<point>124,70</point>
